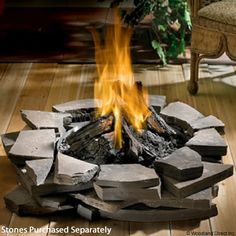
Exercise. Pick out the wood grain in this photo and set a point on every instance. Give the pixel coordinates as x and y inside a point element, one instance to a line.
<point>32,95</point>
<point>222,105</point>
<point>12,83</point>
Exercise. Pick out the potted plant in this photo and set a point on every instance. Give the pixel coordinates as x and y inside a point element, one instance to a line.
<point>170,24</point>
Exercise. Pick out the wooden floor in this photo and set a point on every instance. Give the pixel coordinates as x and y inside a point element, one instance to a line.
<point>39,86</point>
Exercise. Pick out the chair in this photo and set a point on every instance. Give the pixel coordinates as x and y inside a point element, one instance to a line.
<point>213,33</point>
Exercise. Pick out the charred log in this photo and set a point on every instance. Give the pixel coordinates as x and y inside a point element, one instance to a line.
<point>99,151</point>
<point>154,121</point>
<point>79,139</point>
<point>157,123</point>
<point>137,150</point>
<point>146,146</point>
<point>80,115</point>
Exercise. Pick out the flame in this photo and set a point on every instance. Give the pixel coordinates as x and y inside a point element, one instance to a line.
<point>116,86</point>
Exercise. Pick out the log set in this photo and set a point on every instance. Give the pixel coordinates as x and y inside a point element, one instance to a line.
<point>157,140</point>
<point>145,146</point>
<point>68,163</point>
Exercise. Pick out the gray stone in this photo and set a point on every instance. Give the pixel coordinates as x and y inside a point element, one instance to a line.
<point>157,102</point>
<point>160,215</point>
<point>90,198</point>
<point>88,212</point>
<point>8,140</point>
<point>208,142</point>
<point>215,159</point>
<point>199,200</point>
<point>212,174</point>
<point>127,175</point>
<point>127,193</point>
<point>38,170</point>
<point>49,187</point>
<point>20,202</point>
<point>72,171</point>
<point>44,120</point>
<point>208,122</point>
<point>181,114</point>
<point>54,201</point>
<point>33,144</point>
<point>76,105</point>
<point>182,164</point>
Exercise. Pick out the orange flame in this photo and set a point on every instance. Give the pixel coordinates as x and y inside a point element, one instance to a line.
<point>115,86</point>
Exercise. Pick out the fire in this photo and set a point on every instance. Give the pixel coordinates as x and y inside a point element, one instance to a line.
<point>116,87</point>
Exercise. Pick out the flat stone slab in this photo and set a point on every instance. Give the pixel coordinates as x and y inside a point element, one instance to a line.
<point>199,200</point>
<point>49,187</point>
<point>127,193</point>
<point>157,102</point>
<point>127,175</point>
<point>208,122</point>
<point>20,202</point>
<point>88,212</point>
<point>90,198</point>
<point>76,105</point>
<point>181,114</point>
<point>72,171</point>
<point>38,170</point>
<point>44,120</point>
<point>33,144</point>
<point>160,215</point>
<point>8,140</point>
<point>215,159</point>
<point>182,164</point>
<point>53,201</point>
<point>212,174</point>
<point>208,142</point>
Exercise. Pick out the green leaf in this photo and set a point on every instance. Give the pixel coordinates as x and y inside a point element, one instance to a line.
<point>157,46</point>
<point>162,27</point>
<point>167,39</point>
<point>187,18</point>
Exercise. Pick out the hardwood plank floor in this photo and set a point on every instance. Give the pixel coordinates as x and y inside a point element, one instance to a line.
<point>39,86</point>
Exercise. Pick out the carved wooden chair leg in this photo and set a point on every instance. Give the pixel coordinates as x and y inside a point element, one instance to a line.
<point>193,83</point>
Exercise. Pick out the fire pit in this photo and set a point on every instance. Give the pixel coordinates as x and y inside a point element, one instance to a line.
<point>68,161</point>
<point>124,155</point>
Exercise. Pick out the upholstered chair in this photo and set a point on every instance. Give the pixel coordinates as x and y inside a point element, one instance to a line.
<point>213,33</point>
